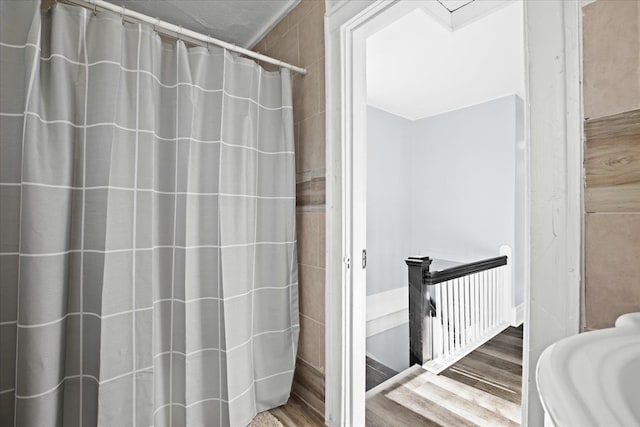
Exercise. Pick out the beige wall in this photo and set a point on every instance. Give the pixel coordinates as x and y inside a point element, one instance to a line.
<point>299,39</point>
<point>611,52</point>
<point>611,37</point>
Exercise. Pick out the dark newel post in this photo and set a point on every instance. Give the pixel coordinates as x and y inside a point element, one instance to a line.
<point>420,339</point>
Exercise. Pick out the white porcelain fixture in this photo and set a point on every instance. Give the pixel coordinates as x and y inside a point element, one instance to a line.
<point>593,379</point>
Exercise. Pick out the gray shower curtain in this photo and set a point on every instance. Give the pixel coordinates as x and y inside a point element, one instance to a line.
<point>147,227</point>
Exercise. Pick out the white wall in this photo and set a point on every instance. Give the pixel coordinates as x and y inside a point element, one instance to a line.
<point>449,186</point>
<point>519,244</point>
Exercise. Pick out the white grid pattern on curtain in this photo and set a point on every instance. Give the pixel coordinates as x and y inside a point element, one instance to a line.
<point>128,298</point>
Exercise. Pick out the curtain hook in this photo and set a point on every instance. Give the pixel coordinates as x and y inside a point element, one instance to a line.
<point>122,13</point>
<point>155,25</point>
<point>180,33</point>
<point>95,9</point>
<point>208,38</point>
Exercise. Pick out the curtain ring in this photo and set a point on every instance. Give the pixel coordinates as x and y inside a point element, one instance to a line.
<point>95,9</point>
<point>155,25</point>
<point>180,33</point>
<point>122,12</point>
<point>208,46</point>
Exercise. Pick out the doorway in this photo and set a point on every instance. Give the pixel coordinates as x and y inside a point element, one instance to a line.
<point>551,31</point>
<point>445,180</point>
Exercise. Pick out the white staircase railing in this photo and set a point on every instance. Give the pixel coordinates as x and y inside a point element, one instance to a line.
<point>455,310</point>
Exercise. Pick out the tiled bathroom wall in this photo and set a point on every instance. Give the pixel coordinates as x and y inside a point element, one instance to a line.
<point>611,48</point>
<point>299,39</point>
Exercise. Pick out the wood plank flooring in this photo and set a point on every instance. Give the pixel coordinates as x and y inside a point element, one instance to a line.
<point>377,373</point>
<point>482,389</point>
<point>306,404</point>
<point>296,413</point>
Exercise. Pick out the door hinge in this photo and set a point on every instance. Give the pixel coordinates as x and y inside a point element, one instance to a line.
<point>364,258</point>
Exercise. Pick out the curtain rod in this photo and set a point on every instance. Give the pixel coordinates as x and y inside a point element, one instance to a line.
<point>181,32</point>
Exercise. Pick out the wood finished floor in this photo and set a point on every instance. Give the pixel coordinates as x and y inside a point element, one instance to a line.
<point>482,389</point>
<point>296,413</point>
<point>377,373</point>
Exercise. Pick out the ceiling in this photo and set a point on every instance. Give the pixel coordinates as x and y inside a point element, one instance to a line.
<point>418,67</point>
<point>241,22</point>
<point>453,5</point>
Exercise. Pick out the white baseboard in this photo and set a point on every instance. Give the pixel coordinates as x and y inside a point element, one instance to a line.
<point>386,310</point>
<point>517,315</point>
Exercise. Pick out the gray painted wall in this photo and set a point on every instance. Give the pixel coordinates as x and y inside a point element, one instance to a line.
<point>464,163</point>
<point>449,184</point>
<point>388,201</point>
<point>395,356</point>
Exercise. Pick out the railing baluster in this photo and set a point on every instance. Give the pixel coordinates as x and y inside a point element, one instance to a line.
<point>490,293</point>
<point>452,316</point>
<point>505,293</point>
<point>461,302</point>
<point>496,310</point>
<point>440,322</point>
<point>501,294</point>
<point>498,295</point>
<point>485,297</point>
<point>465,309</point>
<point>494,273</point>
<point>491,298</point>
<point>476,285</point>
<point>445,319</point>
<point>460,312</point>
<point>456,304</point>
<point>469,305</point>
<point>472,308</point>
<point>476,304</point>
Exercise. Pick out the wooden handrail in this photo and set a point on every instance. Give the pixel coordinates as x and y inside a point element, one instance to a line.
<point>434,277</point>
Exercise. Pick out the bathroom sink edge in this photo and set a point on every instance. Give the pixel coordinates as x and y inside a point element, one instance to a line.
<point>574,376</point>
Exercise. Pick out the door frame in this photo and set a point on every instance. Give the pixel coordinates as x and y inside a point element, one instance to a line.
<point>554,192</point>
